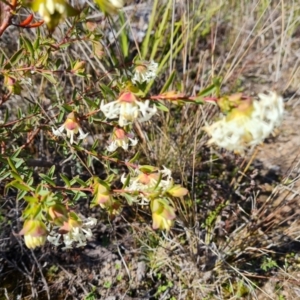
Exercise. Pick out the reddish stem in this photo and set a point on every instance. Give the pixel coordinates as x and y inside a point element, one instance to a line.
<point>6,14</point>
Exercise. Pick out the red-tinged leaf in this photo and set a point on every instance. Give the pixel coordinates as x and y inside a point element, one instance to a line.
<point>27,21</point>
<point>34,25</point>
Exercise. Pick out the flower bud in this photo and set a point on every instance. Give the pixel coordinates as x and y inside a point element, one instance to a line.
<point>12,85</point>
<point>34,241</point>
<point>177,191</point>
<point>102,194</point>
<point>162,214</point>
<point>58,214</point>
<point>79,67</point>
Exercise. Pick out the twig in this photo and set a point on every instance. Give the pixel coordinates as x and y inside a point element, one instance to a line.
<point>46,287</point>
<point>6,14</point>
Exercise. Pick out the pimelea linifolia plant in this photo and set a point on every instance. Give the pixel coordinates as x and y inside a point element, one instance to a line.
<point>51,214</point>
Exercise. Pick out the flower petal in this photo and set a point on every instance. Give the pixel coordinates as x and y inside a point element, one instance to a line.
<point>59,131</point>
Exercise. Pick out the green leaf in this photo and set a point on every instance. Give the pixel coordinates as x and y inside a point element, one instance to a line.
<point>19,185</point>
<point>16,154</point>
<point>135,158</point>
<point>16,57</point>
<point>36,43</point>
<point>5,175</point>
<point>28,45</point>
<point>158,181</point>
<point>30,180</point>
<point>168,82</point>
<point>124,37</point>
<point>199,100</point>
<point>78,195</point>
<point>58,63</point>
<point>68,108</point>
<point>2,58</point>
<point>106,90</point>
<point>148,169</point>
<point>128,198</point>
<point>18,162</point>
<point>47,179</point>
<point>161,107</point>
<point>126,181</point>
<point>49,77</point>
<point>207,91</point>
<point>81,182</point>
<point>51,171</point>
<point>21,195</point>
<point>65,179</point>
<point>145,45</point>
<point>30,199</point>
<point>159,34</point>
<point>11,164</point>
<point>89,161</point>
<point>16,176</point>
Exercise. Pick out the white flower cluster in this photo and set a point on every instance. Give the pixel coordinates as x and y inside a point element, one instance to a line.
<point>50,7</point>
<point>128,110</point>
<point>248,130</point>
<point>146,183</point>
<point>145,72</point>
<point>77,234</point>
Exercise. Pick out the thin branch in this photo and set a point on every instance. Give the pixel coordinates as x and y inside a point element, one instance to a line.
<point>6,15</point>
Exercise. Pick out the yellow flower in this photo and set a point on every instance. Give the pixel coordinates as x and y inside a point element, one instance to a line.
<point>35,233</point>
<point>102,195</point>
<point>53,11</point>
<point>163,214</point>
<point>110,6</point>
<point>34,241</point>
<point>177,191</point>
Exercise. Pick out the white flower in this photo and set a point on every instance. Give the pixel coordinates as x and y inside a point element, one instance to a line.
<point>271,108</point>
<point>121,139</point>
<point>228,135</point>
<point>90,222</point>
<point>72,127</point>
<point>77,234</point>
<point>166,172</point>
<point>121,143</point>
<point>147,183</point>
<point>117,3</point>
<point>248,125</point>
<point>145,72</point>
<point>48,8</point>
<point>54,238</point>
<point>128,109</point>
